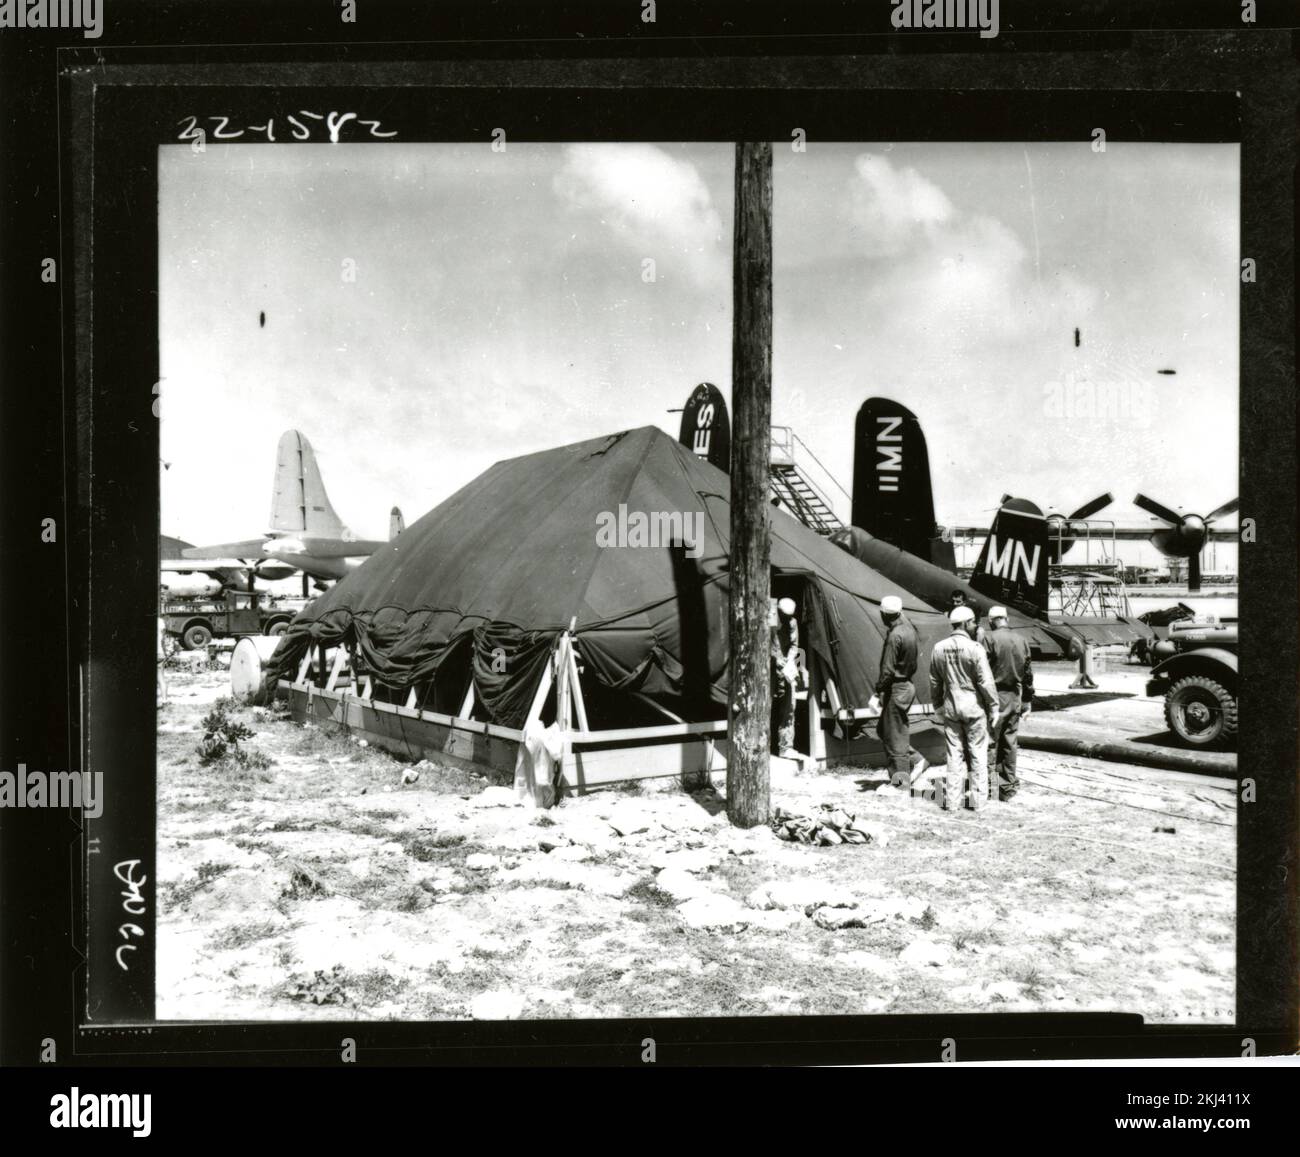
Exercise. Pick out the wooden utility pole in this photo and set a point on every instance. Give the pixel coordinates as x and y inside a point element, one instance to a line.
<point>750,710</point>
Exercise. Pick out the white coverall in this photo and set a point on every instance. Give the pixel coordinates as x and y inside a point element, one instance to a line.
<point>961,683</point>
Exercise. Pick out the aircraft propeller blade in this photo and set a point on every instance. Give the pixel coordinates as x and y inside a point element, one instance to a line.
<point>1158,509</point>
<point>1088,509</point>
<point>1226,508</point>
<point>1194,573</point>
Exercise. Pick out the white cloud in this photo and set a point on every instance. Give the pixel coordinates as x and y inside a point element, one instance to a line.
<point>657,204</point>
<point>891,207</point>
<point>939,270</point>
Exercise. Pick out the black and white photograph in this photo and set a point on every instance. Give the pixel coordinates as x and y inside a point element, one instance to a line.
<point>593,535</point>
<point>448,704</point>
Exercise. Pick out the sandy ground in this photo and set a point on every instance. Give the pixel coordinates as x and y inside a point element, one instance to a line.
<point>324,886</point>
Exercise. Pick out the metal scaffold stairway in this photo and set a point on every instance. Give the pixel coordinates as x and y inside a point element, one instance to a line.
<point>792,486</point>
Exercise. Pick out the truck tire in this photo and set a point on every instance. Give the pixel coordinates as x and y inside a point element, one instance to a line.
<point>196,636</point>
<point>277,628</point>
<point>1201,712</point>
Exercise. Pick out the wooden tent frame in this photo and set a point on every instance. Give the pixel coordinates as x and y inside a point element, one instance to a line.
<point>542,760</point>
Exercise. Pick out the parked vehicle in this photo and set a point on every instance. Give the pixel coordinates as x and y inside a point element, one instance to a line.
<point>1196,672</point>
<point>196,622</point>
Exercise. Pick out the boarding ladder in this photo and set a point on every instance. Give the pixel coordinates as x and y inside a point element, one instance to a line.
<point>791,484</point>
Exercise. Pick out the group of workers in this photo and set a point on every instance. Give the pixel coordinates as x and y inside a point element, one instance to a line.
<point>981,686</point>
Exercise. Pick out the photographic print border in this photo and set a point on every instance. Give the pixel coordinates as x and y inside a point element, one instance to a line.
<point>117,109</point>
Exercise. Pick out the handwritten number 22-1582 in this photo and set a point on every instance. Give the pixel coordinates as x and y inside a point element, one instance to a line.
<point>299,127</point>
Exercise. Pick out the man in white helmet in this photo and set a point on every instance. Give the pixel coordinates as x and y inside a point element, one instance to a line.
<point>965,698</point>
<point>958,599</point>
<point>894,690</point>
<point>785,671</point>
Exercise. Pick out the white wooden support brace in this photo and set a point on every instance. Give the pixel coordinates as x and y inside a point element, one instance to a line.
<point>562,683</point>
<point>563,698</point>
<point>340,657</point>
<point>833,694</point>
<point>467,704</point>
<point>533,764</point>
<point>580,705</point>
<point>816,736</point>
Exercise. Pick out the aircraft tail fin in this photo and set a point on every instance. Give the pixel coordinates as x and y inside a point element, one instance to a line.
<point>1012,566</point>
<point>892,496</point>
<point>299,503</point>
<point>706,427</point>
<point>396,523</point>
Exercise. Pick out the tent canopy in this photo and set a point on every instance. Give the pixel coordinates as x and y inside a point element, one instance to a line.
<point>626,536</point>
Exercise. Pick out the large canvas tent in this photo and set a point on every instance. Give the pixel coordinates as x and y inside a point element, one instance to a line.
<point>622,538</point>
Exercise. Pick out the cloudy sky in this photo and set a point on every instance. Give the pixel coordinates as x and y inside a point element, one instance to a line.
<point>431,309</point>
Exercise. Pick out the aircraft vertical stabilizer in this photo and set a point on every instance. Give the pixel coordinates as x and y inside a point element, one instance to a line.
<point>892,496</point>
<point>1013,563</point>
<point>299,504</point>
<point>706,427</point>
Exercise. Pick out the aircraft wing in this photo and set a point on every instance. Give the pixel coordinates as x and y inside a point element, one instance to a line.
<point>1137,534</point>
<point>228,550</point>
<point>1124,533</point>
<point>342,548</point>
<point>206,566</point>
<point>1105,632</point>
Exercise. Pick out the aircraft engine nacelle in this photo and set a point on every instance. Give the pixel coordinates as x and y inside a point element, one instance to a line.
<point>1183,540</point>
<point>272,570</point>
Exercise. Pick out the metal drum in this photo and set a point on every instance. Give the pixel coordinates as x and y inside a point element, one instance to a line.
<point>248,680</point>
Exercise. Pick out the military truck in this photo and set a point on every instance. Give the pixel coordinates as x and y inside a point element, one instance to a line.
<point>1196,672</point>
<point>196,622</point>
